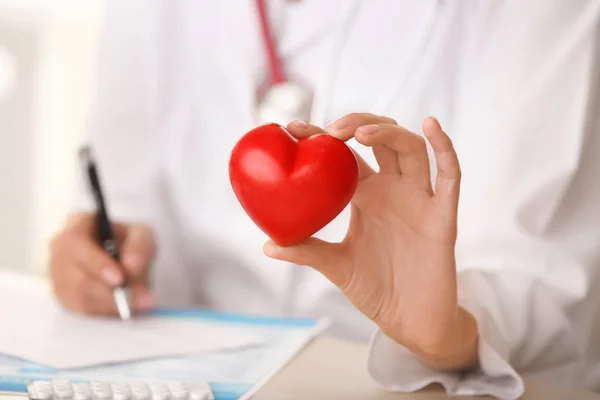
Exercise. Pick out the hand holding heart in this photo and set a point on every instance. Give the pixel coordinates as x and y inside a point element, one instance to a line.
<point>396,263</point>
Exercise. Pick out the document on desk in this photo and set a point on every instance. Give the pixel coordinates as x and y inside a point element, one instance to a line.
<point>233,374</point>
<point>235,354</point>
<point>35,328</point>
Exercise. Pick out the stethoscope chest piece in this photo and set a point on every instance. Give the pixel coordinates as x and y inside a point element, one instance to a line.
<point>284,102</point>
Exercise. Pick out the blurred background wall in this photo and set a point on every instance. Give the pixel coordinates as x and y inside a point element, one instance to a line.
<point>47,56</point>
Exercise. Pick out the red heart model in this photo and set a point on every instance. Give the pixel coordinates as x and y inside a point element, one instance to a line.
<point>291,188</point>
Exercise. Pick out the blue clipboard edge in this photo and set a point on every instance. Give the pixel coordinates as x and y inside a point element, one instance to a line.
<point>234,318</point>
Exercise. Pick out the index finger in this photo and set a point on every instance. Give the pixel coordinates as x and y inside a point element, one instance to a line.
<point>301,129</point>
<point>345,127</point>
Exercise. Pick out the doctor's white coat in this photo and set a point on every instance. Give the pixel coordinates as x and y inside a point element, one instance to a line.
<point>516,84</point>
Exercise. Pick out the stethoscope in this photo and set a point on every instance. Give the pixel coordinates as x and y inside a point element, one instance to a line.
<point>282,100</point>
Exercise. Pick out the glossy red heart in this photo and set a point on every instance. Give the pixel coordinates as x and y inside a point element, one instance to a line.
<point>291,188</point>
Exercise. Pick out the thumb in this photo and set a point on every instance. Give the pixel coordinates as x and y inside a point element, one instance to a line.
<point>328,258</point>
<point>138,249</point>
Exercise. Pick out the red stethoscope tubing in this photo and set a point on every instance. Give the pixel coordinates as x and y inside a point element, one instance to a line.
<point>275,64</point>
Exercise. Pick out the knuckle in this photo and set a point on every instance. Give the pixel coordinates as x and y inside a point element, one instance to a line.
<point>389,120</point>
<point>370,118</point>
<point>420,141</point>
<point>354,118</point>
<point>416,142</point>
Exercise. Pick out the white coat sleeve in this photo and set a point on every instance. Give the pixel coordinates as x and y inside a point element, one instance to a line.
<point>123,130</point>
<point>528,259</point>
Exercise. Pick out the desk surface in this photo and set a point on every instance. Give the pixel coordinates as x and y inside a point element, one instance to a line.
<point>332,369</point>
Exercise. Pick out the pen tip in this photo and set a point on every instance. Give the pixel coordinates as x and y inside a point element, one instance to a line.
<point>122,302</point>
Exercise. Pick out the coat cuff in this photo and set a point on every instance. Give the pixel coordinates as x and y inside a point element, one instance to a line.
<point>397,369</point>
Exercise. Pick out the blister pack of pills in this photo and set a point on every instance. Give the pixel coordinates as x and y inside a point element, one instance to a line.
<point>102,390</point>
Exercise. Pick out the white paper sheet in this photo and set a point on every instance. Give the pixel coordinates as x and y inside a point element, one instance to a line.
<point>34,327</point>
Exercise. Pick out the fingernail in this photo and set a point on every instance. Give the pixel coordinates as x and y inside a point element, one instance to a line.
<point>299,124</point>
<point>368,129</point>
<point>111,276</point>
<point>145,302</point>
<point>338,124</point>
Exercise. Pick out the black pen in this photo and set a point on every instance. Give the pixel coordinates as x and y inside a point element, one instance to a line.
<point>104,229</point>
